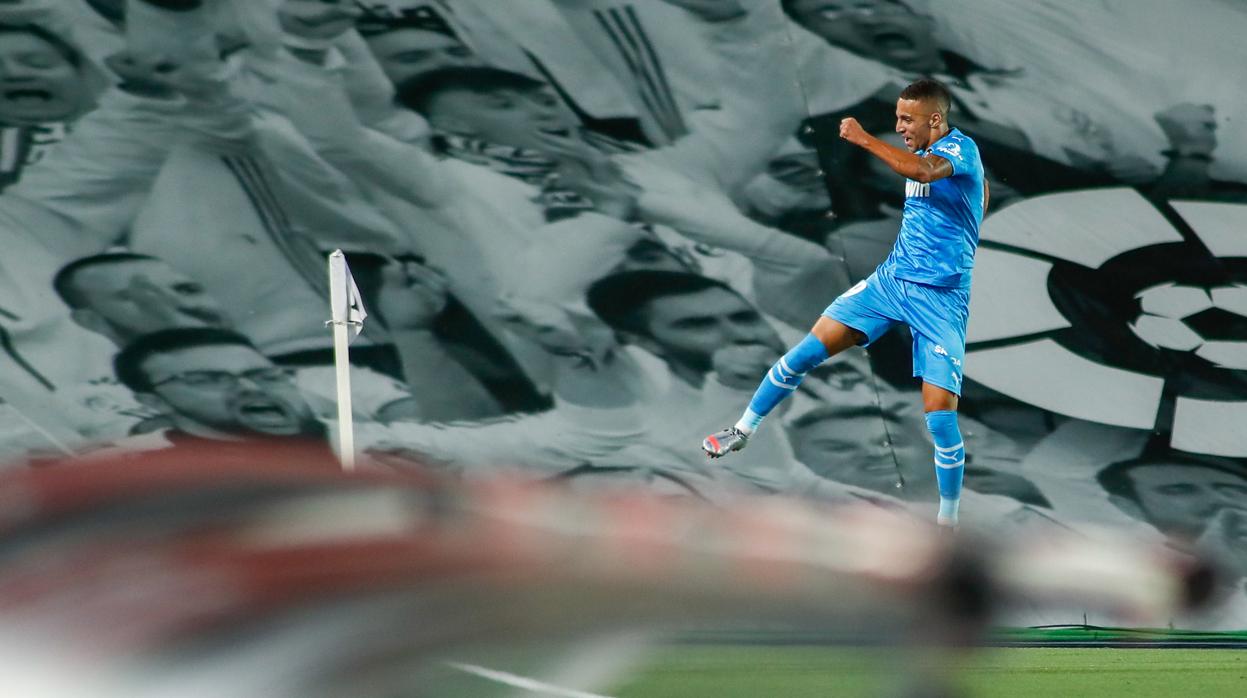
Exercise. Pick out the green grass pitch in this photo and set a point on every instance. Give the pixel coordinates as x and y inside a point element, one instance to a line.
<point>798,671</point>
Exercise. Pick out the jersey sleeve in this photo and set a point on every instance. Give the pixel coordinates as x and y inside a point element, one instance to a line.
<point>959,152</point>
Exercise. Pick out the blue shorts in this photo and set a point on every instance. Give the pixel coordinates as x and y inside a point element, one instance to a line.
<point>937,317</point>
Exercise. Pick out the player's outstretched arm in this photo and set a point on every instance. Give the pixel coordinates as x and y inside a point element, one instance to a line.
<point>901,161</point>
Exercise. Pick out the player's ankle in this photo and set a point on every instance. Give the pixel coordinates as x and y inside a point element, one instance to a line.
<point>948,511</point>
<point>748,423</point>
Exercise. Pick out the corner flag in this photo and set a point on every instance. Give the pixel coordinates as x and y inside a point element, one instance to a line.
<point>347,316</point>
<point>347,306</point>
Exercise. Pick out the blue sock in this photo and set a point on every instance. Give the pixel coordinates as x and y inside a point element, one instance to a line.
<point>782,380</point>
<point>950,462</point>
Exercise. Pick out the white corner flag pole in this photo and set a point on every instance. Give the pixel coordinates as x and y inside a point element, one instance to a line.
<point>347,319</point>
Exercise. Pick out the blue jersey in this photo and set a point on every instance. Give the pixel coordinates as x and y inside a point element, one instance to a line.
<point>940,224</point>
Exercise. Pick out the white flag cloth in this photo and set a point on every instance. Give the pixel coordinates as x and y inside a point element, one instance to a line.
<point>347,304</point>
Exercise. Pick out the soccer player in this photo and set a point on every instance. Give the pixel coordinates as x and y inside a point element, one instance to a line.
<point>924,283</point>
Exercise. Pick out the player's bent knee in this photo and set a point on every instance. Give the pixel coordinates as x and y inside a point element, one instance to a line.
<point>835,335</point>
<point>937,399</point>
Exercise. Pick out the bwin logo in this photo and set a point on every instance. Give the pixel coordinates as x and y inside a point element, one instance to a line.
<point>1091,304</point>
<point>918,189</point>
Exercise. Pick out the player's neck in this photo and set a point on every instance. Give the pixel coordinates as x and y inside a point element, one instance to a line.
<point>937,134</point>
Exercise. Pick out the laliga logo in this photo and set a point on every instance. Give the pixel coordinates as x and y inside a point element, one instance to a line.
<point>1187,318</point>
<point>1095,305</point>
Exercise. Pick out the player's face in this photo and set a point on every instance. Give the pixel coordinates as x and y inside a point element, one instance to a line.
<point>406,53</point>
<point>882,30</point>
<point>916,120</point>
<point>506,117</point>
<point>689,328</point>
<point>141,296</point>
<point>37,83</point>
<point>1182,499</point>
<point>230,388</point>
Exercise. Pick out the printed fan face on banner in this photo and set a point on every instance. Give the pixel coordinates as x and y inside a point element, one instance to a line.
<point>1101,306</point>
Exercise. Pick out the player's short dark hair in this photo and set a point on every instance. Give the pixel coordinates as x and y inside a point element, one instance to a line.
<point>63,47</point>
<point>419,92</point>
<point>128,363</point>
<point>63,282</point>
<point>1115,477</point>
<point>622,299</point>
<point>928,89</point>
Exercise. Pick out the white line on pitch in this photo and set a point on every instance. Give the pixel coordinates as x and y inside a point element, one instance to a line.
<point>522,681</point>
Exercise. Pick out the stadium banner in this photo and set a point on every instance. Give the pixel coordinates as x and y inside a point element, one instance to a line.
<point>586,229</point>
